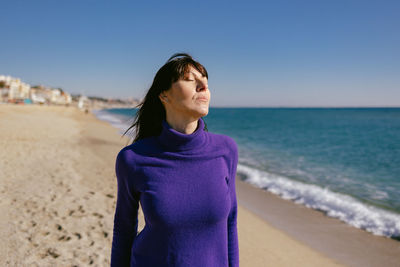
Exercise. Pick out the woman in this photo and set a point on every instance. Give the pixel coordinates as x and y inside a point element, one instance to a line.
<point>182,176</point>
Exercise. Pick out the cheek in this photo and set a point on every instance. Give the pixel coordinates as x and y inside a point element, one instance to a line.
<point>183,94</point>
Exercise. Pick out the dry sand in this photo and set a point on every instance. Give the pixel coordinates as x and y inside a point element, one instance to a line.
<point>57,187</point>
<point>58,194</point>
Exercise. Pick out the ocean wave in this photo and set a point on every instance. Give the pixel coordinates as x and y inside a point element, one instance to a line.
<point>346,208</point>
<point>118,121</point>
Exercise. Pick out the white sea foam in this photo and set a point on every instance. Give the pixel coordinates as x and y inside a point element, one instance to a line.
<point>120,122</point>
<point>343,207</point>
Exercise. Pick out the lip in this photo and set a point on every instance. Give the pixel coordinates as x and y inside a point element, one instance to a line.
<point>202,99</point>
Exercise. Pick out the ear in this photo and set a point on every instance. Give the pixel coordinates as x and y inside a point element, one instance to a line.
<point>163,97</point>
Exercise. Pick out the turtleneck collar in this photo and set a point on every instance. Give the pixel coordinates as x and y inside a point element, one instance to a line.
<point>177,141</point>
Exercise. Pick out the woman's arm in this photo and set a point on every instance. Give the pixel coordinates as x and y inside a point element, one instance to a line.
<point>233,243</point>
<point>126,214</point>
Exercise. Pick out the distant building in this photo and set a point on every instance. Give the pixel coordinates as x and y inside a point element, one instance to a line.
<point>45,95</point>
<point>68,98</point>
<point>41,95</point>
<point>13,89</point>
<point>83,102</point>
<point>60,97</point>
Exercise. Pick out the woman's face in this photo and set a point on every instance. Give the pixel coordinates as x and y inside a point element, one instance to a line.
<point>188,96</point>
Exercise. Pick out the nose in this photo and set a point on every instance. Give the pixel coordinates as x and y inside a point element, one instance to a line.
<point>202,85</point>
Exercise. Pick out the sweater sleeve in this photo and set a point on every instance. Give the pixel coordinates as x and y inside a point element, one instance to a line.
<point>233,243</point>
<point>126,214</point>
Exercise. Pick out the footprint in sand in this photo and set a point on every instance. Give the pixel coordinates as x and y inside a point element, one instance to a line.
<point>64,238</point>
<point>97,215</point>
<point>78,235</point>
<point>81,209</point>
<point>52,252</point>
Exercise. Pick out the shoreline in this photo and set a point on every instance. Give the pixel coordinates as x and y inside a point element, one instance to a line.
<point>329,236</point>
<point>60,172</point>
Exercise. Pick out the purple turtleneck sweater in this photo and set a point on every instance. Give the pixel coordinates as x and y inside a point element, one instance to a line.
<point>185,184</point>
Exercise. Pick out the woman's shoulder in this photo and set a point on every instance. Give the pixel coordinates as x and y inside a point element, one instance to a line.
<point>141,147</point>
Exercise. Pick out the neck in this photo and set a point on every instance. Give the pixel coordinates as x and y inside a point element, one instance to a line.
<point>173,140</point>
<point>183,126</point>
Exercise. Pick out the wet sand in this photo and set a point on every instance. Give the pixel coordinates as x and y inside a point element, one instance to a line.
<point>58,193</point>
<point>329,236</point>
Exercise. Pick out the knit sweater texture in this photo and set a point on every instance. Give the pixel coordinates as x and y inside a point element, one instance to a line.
<point>185,185</point>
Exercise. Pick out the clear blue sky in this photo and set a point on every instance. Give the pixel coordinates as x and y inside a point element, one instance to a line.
<point>257,53</point>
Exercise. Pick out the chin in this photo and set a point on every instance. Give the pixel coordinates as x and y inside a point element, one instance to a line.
<point>199,111</point>
<point>202,113</point>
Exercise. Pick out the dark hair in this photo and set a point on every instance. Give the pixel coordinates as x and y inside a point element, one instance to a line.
<point>151,113</point>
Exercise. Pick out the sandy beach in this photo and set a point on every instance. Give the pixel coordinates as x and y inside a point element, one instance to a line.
<point>58,194</point>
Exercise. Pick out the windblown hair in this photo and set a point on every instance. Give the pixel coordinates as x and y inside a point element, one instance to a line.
<point>151,113</point>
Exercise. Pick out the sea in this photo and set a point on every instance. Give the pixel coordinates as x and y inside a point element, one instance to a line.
<point>344,162</point>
